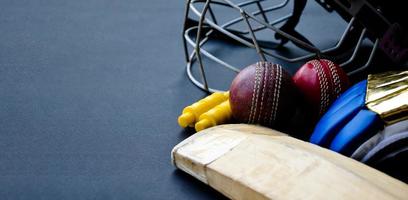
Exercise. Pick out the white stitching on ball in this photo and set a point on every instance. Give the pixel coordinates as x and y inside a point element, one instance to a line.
<point>257,83</point>
<point>253,93</point>
<point>274,93</point>
<point>270,94</point>
<point>324,98</point>
<point>265,67</point>
<point>278,93</point>
<point>336,79</point>
<point>257,93</point>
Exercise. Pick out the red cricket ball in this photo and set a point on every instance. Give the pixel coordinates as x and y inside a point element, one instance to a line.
<point>263,93</point>
<point>321,82</point>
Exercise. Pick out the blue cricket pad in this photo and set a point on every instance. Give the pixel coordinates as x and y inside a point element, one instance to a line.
<point>351,93</point>
<point>365,124</point>
<point>342,110</point>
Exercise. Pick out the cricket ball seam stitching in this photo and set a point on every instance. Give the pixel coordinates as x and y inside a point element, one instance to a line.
<point>326,88</point>
<point>336,78</point>
<point>278,93</point>
<point>326,91</point>
<point>257,80</point>
<point>274,95</point>
<point>253,95</point>
<point>257,83</point>
<point>263,90</point>
<point>257,93</point>
<point>270,96</point>
<point>323,86</point>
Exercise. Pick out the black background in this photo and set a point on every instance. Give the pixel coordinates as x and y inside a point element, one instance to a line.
<point>90,91</point>
<point>89,100</point>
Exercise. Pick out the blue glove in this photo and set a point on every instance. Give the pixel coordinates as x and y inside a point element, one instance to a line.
<point>347,123</point>
<point>354,123</point>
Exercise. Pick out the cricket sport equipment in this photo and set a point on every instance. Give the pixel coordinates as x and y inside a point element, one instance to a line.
<point>364,109</point>
<point>321,81</point>
<point>263,93</point>
<point>192,113</point>
<point>252,162</point>
<point>275,31</point>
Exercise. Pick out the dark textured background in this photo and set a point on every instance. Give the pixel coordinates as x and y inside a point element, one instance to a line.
<point>90,91</point>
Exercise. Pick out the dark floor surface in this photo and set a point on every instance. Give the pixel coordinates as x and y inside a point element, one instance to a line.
<point>90,91</point>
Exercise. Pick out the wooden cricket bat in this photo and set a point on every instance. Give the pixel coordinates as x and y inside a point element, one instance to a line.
<point>253,162</point>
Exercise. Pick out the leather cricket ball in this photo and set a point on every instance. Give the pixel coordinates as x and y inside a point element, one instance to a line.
<point>263,93</point>
<point>321,82</point>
